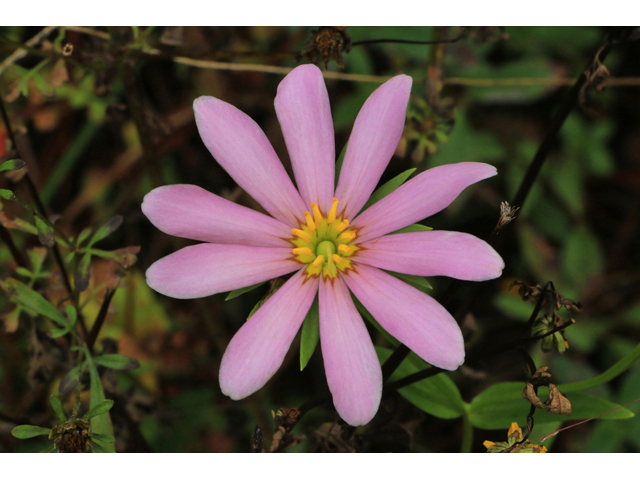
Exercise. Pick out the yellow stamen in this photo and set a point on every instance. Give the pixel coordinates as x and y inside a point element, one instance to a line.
<point>303,251</point>
<point>344,248</point>
<point>342,225</point>
<point>332,213</point>
<point>336,258</point>
<point>348,236</point>
<point>318,261</point>
<point>301,234</point>
<point>310,224</point>
<point>317,216</point>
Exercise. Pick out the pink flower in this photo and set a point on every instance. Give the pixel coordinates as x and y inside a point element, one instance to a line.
<point>319,235</point>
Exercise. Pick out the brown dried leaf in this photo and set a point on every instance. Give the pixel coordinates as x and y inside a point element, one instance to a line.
<point>541,376</point>
<point>327,43</point>
<point>529,394</point>
<point>557,401</point>
<point>552,298</point>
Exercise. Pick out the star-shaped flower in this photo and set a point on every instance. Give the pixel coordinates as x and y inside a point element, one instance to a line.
<point>319,234</point>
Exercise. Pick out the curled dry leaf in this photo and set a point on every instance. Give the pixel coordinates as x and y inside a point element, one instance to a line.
<point>557,402</point>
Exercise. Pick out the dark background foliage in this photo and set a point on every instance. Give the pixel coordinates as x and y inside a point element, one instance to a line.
<point>103,124</point>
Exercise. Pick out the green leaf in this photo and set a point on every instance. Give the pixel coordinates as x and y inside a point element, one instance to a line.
<point>84,234</point>
<point>72,314</point>
<point>582,256</point>
<point>49,449</point>
<point>81,277</point>
<point>310,334</point>
<point>388,187</point>
<point>58,332</point>
<point>15,164</point>
<point>45,232</point>
<point>7,194</point>
<point>117,361</point>
<point>611,373</point>
<point>29,431</point>
<point>240,291</point>
<point>436,395</point>
<point>100,423</point>
<point>69,381</point>
<point>103,438</point>
<point>420,283</point>
<point>416,227</point>
<point>501,404</point>
<point>24,272</point>
<point>109,227</point>
<point>56,404</point>
<point>32,299</point>
<point>98,409</point>
<point>101,447</point>
<point>37,256</point>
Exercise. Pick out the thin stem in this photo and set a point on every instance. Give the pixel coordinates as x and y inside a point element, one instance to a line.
<point>562,326</point>
<point>411,42</point>
<point>97,325</point>
<point>76,405</point>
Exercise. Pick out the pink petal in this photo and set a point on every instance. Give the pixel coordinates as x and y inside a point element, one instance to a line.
<point>413,317</point>
<point>209,268</point>
<point>191,212</point>
<point>372,143</point>
<point>257,350</point>
<point>242,149</point>
<point>428,254</point>
<point>419,198</point>
<point>350,361</point>
<point>303,109</point>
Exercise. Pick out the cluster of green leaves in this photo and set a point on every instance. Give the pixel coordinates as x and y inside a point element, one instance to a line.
<point>97,442</point>
<point>27,298</point>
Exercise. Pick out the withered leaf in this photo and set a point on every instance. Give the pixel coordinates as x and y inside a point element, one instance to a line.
<point>326,44</point>
<point>529,394</point>
<point>558,401</point>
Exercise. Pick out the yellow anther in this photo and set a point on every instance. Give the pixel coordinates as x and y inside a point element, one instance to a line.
<point>318,261</point>
<point>301,234</point>
<point>303,251</point>
<point>336,258</point>
<point>344,248</point>
<point>317,216</point>
<point>310,224</point>
<point>348,236</point>
<point>332,213</point>
<point>342,225</point>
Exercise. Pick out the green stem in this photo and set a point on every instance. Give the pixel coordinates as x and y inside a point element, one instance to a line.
<point>76,406</point>
<point>467,434</point>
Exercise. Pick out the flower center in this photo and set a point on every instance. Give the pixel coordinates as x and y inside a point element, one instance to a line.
<point>324,244</point>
